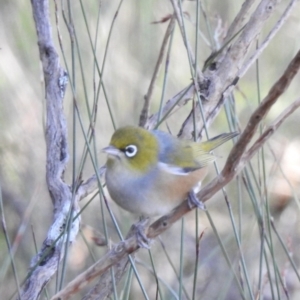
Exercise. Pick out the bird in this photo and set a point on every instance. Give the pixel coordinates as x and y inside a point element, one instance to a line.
<point>149,173</point>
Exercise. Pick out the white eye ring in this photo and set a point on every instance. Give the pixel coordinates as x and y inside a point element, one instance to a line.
<point>131,150</point>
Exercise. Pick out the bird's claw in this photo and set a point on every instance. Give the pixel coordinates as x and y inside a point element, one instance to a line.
<point>140,233</point>
<point>194,201</point>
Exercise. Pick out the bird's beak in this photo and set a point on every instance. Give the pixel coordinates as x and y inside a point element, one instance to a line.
<point>111,150</point>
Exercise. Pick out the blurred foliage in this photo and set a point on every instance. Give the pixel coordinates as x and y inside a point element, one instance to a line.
<point>130,61</point>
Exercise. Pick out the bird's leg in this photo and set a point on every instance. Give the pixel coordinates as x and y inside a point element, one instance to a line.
<point>140,232</point>
<point>194,201</point>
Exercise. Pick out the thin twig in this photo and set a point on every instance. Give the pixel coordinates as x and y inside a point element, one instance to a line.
<point>145,111</point>
<point>177,101</point>
<point>270,130</point>
<point>180,21</point>
<point>90,185</point>
<point>10,252</point>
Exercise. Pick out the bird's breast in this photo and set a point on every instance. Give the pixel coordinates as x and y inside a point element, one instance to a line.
<point>153,194</point>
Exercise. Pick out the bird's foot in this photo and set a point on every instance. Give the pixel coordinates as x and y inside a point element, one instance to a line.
<point>194,201</point>
<point>140,233</point>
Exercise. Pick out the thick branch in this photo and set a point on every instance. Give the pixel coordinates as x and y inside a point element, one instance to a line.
<point>240,19</point>
<point>44,264</point>
<point>223,73</point>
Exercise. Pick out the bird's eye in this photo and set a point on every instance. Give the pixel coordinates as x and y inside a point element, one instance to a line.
<point>131,150</point>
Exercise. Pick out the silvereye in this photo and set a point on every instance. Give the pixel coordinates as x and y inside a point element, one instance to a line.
<point>151,172</point>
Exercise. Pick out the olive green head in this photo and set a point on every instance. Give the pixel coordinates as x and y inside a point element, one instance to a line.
<point>134,147</point>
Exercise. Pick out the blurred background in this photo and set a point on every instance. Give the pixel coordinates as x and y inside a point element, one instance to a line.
<point>273,176</point>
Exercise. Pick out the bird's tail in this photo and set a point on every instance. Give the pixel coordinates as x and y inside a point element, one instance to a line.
<point>217,141</point>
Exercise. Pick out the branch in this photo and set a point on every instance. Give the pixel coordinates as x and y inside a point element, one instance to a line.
<point>105,285</point>
<point>223,74</point>
<point>239,20</point>
<point>44,264</point>
<point>237,159</point>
